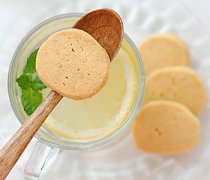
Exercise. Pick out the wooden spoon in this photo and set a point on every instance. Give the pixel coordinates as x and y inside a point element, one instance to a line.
<point>106,27</point>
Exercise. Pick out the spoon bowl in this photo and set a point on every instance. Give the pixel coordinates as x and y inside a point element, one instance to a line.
<point>106,26</point>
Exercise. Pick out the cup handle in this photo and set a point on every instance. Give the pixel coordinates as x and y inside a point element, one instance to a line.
<point>41,157</point>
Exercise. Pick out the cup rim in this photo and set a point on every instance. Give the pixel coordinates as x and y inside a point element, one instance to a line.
<point>83,145</point>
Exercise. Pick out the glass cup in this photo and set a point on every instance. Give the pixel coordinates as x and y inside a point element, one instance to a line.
<point>48,143</point>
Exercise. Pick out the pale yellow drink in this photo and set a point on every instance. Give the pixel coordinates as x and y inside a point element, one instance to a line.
<point>100,115</point>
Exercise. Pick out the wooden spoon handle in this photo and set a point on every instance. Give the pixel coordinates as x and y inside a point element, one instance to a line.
<point>13,149</point>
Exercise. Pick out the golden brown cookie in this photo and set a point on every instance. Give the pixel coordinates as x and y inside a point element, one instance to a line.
<point>180,84</point>
<point>73,63</point>
<point>163,50</point>
<point>165,127</point>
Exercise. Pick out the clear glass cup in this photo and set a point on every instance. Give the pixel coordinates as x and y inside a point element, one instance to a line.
<point>49,144</point>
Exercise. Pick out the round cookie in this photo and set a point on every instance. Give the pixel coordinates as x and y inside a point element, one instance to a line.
<point>73,63</point>
<point>164,127</point>
<point>180,84</point>
<point>163,50</point>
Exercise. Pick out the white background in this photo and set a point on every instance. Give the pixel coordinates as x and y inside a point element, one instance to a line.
<point>200,9</point>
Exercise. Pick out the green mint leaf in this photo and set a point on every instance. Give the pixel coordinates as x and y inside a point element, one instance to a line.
<point>30,85</point>
<point>30,100</point>
<point>31,63</point>
<point>24,81</point>
<point>37,84</point>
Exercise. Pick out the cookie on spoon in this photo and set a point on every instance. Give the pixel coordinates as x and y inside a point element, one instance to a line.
<point>73,63</point>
